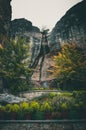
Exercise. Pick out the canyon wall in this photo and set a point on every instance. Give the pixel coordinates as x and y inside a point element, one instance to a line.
<point>71,28</point>
<point>24,28</point>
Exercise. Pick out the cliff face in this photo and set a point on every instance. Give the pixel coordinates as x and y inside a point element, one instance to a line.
<point>71,28</point>
<point>20,26</point>
<point>23,28</point>
<point>5,17</point>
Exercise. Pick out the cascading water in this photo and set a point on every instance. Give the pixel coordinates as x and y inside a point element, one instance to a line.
<point>39,51</point>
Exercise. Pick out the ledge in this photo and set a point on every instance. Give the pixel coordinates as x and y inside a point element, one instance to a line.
<point>43,121</point>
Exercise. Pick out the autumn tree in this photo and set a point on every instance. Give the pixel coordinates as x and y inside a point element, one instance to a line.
<point>14,60</point>
<point>70,67</point>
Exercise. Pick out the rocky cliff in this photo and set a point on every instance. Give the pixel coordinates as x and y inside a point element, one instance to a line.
<point>22,25</point>
<point>24,28</point>
<point>71,28</point>
<point>5,17</point>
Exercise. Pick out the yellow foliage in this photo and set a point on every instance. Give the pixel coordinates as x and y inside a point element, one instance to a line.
<point>70,61</point>
<point>1,47</point>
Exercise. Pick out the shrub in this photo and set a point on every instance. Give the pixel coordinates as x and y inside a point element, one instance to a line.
<point>25,111</point>
<point>64,106</point>
<point>2,108</point>
<point>34,106</point>
<point>15,108</point>
<point>46,107</point>
<point>8,108</point>
<point>58,107</point>
<point>79,94</point>
<point>66,94</point>
<point>24,106</point>
<point>53,94</point>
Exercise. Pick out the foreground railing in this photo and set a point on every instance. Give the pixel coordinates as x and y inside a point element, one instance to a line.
<point>43,121</point>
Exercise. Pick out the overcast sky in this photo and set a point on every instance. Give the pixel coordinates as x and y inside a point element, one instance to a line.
<point>41,12</point>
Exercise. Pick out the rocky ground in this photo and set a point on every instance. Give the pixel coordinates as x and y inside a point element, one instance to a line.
<point>9,98</point>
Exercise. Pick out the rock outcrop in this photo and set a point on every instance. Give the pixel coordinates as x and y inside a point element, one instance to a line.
<point>5,18</point>
<point>24,28</point>
<point>9,98</point>
<point>71,28</point>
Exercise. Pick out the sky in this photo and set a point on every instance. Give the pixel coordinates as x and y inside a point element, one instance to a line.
<point>42,13</point>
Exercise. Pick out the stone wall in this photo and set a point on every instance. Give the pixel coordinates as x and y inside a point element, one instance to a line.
<point>43,125</point>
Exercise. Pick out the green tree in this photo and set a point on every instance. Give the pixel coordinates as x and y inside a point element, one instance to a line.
<point>70,67</point>
<point>14,60</point>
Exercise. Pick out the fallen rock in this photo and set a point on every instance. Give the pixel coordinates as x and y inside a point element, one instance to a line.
<point>9,98</point>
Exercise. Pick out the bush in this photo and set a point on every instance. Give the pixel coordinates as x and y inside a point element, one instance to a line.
<point>77,94</point>
<point>58,107</point>
<point>46,107</point>
<point>24,106</point>
<point>66,94</point>
<point>8,108</point>
<point>53,94</point>
<point>64,106</point>
<point>34,106</point>
<point>15,108</point>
